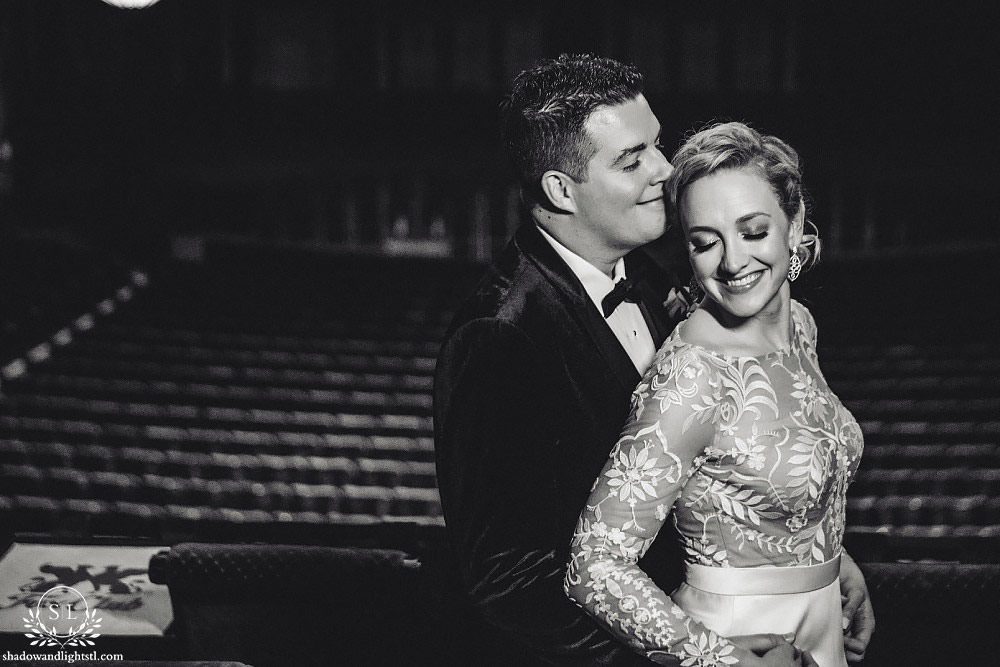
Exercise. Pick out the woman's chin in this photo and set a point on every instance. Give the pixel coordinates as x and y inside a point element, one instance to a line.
<point>742,306</point>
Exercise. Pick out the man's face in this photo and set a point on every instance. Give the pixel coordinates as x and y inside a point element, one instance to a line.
<point>621,205</point>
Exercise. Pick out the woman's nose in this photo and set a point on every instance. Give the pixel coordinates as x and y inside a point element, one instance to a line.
<point>734,258</point>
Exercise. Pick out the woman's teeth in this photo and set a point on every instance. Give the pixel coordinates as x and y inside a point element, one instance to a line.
<point>745,281</point>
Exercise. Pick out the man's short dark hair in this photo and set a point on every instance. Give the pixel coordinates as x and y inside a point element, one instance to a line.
<point>543,117</point>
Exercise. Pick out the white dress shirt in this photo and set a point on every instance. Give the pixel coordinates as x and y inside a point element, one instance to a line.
<point>626,321</point>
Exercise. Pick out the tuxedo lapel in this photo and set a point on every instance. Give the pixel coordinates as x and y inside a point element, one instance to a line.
<point>610,347</point>
<point>537,250</point>
<point>651,296</point>
<point>655,315</point>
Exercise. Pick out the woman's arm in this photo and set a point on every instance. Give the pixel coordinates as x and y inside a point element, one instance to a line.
<point>659,449</point>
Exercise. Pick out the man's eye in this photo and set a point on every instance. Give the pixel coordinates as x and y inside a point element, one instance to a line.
<point>631,167</point>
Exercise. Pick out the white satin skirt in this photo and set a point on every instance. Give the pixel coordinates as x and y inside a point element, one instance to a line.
<point>777,600</point>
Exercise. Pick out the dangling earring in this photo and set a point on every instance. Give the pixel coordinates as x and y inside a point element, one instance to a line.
<point>794,265</point>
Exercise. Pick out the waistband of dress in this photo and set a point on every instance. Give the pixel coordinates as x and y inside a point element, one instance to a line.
<point>762,580</point>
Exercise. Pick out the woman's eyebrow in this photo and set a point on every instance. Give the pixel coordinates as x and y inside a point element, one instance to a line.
<point>750,216</point>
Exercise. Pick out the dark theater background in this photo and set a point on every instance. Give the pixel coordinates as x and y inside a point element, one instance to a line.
<point>232,234</point>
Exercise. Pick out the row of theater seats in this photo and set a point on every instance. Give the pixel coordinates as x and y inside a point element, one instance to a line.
<point>76,518</point>
<point>391,371</point>
<point>110,380</point>
<point>115,446</point>
<point>909,374</point>
<point>111,376</point>
<point>257,456</point>
<point>909,357</point>
<point>84,475</point>
<point>400,358</point>
<point>194,502</point>
<point>246,469</point>
<point>976,514</point>
<point>883,453</point>
<point>321,338</point>
<point>959,480</point>
<point>37,408</point>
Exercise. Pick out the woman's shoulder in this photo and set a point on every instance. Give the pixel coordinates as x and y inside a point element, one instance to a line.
<point>672,396</point>
<point>678,361</point>
<point>805,320</point>
<point>676,347</point>
<point>800,309</point>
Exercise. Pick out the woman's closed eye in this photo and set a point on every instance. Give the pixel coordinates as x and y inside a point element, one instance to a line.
<point>755,236</point>
<point>702,246</point>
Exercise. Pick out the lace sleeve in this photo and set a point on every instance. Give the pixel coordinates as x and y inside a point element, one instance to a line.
<point>648,467</point>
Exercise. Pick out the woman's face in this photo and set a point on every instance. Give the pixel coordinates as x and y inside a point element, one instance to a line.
<point>739,241</point>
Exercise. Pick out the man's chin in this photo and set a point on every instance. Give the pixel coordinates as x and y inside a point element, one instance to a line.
<point>654,233</point>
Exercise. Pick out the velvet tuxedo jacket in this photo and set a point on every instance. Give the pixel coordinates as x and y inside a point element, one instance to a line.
<point>531,392</point>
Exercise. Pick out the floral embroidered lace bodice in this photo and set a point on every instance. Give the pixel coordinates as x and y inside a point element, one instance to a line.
<point>750,456</point>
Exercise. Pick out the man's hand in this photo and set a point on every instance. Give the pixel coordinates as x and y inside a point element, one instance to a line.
<point>859,617</point>
<point>676,304</point>
<point>773,651</point>
<point>787,655</point>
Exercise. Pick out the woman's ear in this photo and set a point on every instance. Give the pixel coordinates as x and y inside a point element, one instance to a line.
<point>558,188</point>
<point>795,229</point>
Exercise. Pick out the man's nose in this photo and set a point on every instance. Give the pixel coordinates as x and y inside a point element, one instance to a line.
<point>661,167</point>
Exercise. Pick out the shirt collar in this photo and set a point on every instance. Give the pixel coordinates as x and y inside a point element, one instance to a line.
<point>595,282</point>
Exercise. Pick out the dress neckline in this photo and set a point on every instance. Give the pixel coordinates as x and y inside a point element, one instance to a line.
<point>795,333</point>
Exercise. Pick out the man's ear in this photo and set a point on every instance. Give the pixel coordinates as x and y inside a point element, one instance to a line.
<point>558,188</point>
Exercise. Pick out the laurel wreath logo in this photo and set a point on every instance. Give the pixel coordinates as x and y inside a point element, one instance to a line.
<point>41,635</point>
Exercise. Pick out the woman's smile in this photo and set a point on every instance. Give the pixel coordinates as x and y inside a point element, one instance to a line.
<point>744,283</point>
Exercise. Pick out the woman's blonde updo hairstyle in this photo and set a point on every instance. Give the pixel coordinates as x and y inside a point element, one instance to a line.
<point>735,145</point>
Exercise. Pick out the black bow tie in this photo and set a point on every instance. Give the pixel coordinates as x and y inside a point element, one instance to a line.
<point>625,289</point>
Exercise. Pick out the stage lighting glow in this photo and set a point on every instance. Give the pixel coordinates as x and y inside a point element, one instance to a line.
<point>131,4</point>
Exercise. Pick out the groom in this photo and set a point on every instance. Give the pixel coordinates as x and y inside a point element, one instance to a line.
<point>534,379</point>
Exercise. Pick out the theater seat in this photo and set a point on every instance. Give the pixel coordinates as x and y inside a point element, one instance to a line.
<point>296,605</point>
<point>932,614</point>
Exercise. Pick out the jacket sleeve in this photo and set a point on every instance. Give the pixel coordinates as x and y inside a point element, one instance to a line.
<point>496,457</point>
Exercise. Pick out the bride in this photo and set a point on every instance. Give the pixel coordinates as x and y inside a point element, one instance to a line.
<point>734,435</point>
